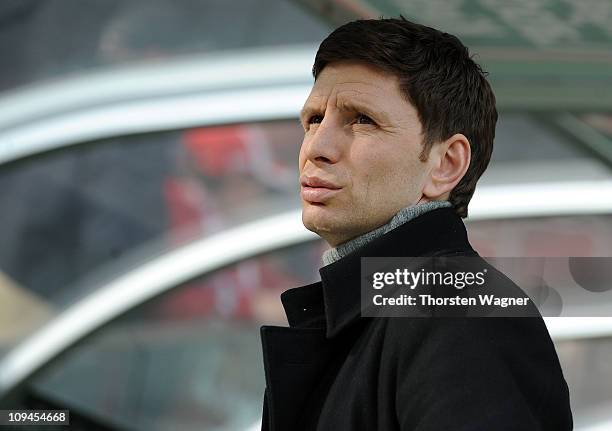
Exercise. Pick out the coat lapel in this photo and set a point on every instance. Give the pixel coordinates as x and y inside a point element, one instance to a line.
<point>297,358</point>
<point>294,358</point>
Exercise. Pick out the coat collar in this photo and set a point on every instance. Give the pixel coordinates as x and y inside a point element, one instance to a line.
<point>334,303</point>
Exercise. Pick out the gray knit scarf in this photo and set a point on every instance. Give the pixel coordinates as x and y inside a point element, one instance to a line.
<point>405,214</point>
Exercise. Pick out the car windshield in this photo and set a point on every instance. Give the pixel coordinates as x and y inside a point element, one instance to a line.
<point>76,217</point>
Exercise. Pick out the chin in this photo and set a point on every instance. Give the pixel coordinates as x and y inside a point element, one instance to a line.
<point>334,228</point>
<point>318,219</point>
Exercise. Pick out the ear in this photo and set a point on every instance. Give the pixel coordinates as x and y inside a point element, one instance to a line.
<point>449,161</point>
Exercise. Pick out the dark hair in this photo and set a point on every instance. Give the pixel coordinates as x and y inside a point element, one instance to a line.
<point>436,74</point>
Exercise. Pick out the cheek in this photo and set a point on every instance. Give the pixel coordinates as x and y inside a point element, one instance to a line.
<point>391,175</point>
<point>371,179</point>
<point>407,178</point>
<point>375,168</point>
<point>301,158</point>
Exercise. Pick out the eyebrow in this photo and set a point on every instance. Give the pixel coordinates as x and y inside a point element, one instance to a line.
<point>351,105</point>
<point>307,111</point>
<point>356,105</point>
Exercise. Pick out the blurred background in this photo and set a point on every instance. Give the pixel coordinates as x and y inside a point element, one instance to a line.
<point>149,206</point>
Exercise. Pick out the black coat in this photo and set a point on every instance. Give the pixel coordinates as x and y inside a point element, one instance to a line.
<point>334,370</point>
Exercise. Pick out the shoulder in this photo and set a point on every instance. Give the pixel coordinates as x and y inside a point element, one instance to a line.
<point>477,364</point>
<point>508,339</point>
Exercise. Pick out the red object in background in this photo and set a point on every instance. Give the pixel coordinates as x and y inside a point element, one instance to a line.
<point>216,151</point>
<point>228,293</point>
<point>184,200</point>
<point>558,243</point>
<point>238,150</point>
<point>219,150</point>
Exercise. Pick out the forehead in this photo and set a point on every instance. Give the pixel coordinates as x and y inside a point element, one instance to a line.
<point>361,87</point>
<point>361,79</point>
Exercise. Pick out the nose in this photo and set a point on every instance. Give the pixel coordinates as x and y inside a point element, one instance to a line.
<point>324,145</point>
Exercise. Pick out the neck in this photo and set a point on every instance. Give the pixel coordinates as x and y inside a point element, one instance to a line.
<point>404,215</point>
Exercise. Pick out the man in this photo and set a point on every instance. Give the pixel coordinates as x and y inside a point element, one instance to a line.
<point>399,126</point>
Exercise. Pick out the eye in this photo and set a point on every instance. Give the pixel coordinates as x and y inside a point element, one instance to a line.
<point>363,119</point>
<point>315,119</point>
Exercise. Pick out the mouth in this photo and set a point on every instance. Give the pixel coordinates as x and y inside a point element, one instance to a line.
<point>316,190</point>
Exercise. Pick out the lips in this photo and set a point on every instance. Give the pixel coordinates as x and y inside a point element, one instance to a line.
<point>317,190</point>
<point>317,182</point>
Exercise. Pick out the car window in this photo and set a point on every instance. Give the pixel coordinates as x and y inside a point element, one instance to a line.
<point>540,147</point>
<point>557,236</point>
<point>187,360</point>
<point>520,138</point>
<point>587,370</point>
<point>74,217</point>
<point>601,122</point>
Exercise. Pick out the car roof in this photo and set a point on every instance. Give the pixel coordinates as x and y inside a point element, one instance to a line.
<point>247,85</point>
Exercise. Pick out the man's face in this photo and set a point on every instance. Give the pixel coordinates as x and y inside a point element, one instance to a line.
<point>359,161</point>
